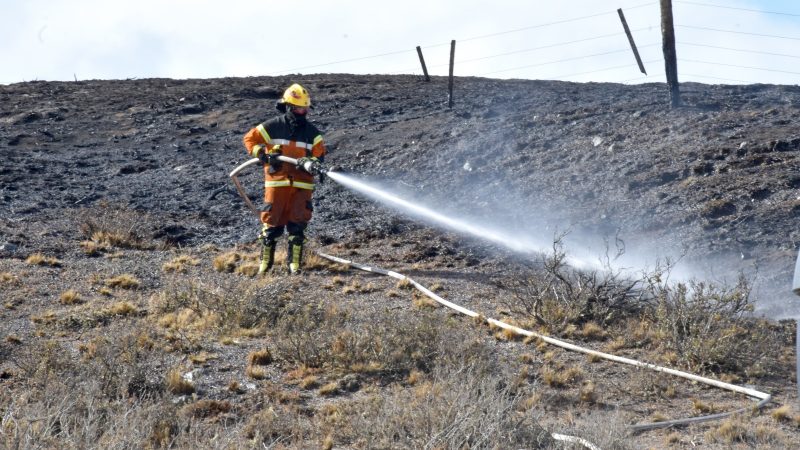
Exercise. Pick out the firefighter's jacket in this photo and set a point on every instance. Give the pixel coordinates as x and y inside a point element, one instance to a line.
<point>298,141</point>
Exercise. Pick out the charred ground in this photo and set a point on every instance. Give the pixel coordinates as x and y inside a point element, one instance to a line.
<point>716,180</point>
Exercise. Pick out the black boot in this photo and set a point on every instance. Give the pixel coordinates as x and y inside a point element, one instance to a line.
<point>294,257</point>
<point>268,237</point>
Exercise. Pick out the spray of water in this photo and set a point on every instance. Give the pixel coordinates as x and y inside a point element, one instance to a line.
<point>515,242</point>
<point>583,254</point>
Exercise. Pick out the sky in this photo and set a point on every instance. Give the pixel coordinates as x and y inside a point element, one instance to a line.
<point>572,40</point>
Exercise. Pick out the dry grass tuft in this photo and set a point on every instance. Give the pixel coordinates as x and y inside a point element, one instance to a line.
<point>782,414</point>
<point>415,377</point>
<point>673,438</point>
<point>180,264</point>
<point>256,372</point>
<point>122,309</point>
<point>235,387</point>
<point>7,278</point>
<point>327,443</point>
<point>38,259</point>
<point>561,378</point>
<point>227,261</point>
<point>329,389</point>
<point>248,269</point>
<point>404,284</point>
<point>205,408</point>
<point>124,281</point>
<point>588,392</point>
<point>309,382</point>
<point>70,297</point>
<point>593,332</point>
<point>259,357</point>
<point>176,384</point>
<point>423,301</point>
<point>703,407</point>
<point>730,431</point>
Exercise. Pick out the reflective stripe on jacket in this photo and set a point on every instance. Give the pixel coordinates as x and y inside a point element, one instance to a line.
<point>295,142</point>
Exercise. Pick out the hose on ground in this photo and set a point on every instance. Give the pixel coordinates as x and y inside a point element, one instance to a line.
<point>763,397</point>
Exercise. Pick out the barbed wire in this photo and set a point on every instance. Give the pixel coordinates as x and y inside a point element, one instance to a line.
<point>474,38</point>
<point>543,47</point>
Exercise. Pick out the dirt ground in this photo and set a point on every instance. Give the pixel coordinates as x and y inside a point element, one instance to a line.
<point>715,183</point>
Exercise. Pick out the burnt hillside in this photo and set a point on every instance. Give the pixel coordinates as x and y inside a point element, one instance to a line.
<point>715,182</point>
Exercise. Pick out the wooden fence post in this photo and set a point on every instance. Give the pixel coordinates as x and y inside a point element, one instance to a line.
<point>630,40</point>
<point>670,56</point>
<point>422,61</point>
<point>450,83</point>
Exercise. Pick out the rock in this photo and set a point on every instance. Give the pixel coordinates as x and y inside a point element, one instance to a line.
<point>8,247</point>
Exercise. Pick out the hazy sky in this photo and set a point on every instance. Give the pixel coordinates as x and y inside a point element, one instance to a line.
<point>575,40</point>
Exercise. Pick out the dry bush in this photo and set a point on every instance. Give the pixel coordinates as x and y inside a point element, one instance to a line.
<point>107,226</point>
<point>465,404</point>
<point>190,312</point>
<point>557,295</point>
<point>709,328</point>
<point>316,336</point>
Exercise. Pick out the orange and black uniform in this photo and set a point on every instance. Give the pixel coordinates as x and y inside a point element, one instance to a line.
<point>287,189</point>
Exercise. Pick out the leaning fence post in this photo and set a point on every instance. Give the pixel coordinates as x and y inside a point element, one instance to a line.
<point>670,56</point>
<point>450,83</point>
<point>422,61</point>
<point>630,40</point>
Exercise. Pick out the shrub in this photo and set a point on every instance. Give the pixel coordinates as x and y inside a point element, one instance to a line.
<point>115,226</point>
<point>708,327</point>
<point>558,295</point>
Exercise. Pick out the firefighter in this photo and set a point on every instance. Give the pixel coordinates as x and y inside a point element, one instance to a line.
<point>287,188</point>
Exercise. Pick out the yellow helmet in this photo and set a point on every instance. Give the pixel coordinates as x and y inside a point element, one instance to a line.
<point>297,95</point>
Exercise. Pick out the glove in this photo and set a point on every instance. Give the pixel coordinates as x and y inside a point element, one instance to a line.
<point>260,152</point>
<point>272,159</point>
<point>309,164</point>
